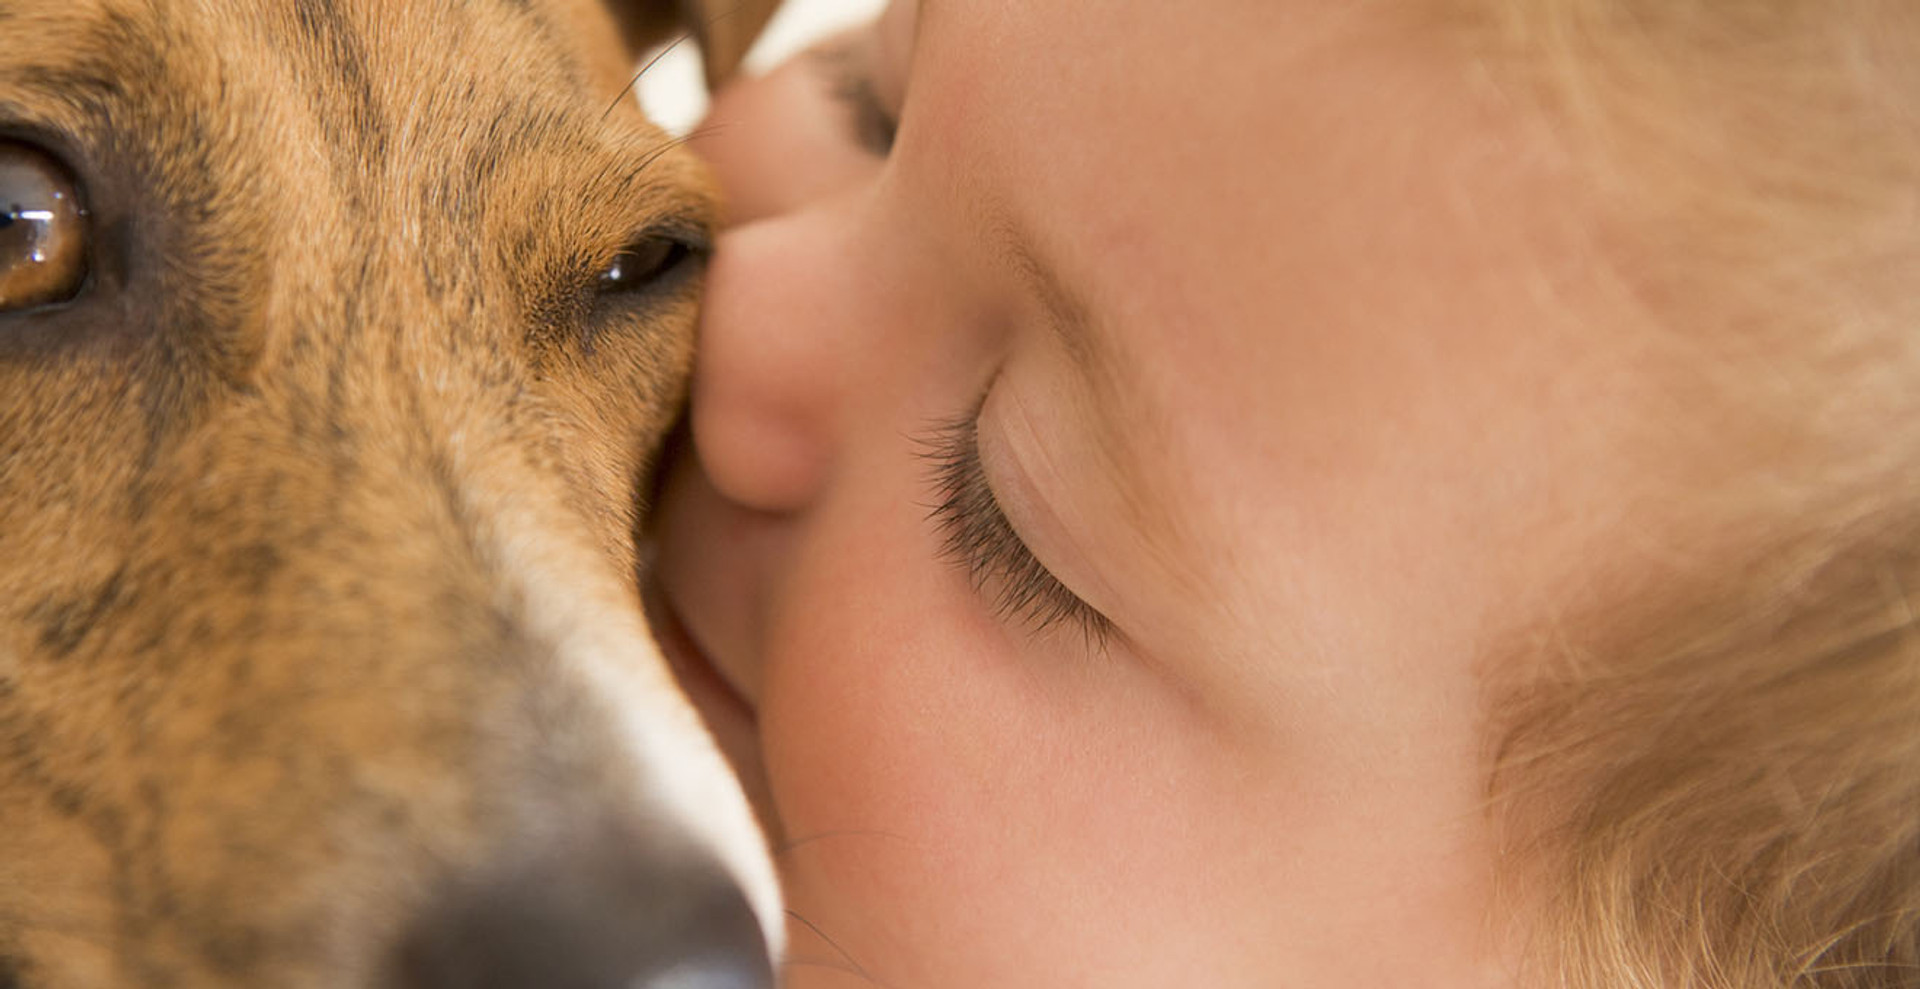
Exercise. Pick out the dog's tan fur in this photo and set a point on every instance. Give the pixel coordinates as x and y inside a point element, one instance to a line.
<point>319,499</point>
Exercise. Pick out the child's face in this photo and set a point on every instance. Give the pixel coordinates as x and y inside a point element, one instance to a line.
<point>1266,331</point>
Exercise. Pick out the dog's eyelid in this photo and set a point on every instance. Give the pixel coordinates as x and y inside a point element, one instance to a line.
<point>696,235</point>
<point>691,228</point>
<point>653,256</point>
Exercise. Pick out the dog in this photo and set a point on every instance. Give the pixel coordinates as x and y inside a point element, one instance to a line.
<point>337,340</point>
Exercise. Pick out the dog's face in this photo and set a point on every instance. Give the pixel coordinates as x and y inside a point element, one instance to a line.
<point>336,338</point>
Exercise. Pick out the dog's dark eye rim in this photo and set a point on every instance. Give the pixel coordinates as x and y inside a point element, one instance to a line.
<point>651,259</point>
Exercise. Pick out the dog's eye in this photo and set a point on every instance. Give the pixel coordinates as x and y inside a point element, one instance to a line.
<point>43,229</point>
<point>643,263</point>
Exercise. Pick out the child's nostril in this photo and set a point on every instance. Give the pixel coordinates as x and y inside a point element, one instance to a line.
<point>600,915</point>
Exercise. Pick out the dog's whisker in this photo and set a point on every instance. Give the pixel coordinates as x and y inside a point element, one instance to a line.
<point>708,130</point>
<point>627,90</point>
<point>662,53</point>
<point>659,152</point>
<point>846,963</point>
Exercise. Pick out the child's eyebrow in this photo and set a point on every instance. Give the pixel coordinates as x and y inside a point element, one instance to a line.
<point>1127,432</point>
<point>1068,317</point>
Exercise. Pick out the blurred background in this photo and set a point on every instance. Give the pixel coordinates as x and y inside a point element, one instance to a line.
<point>673,92</point>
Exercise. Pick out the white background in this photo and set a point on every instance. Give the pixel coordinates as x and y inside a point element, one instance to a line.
<point>673,92</point>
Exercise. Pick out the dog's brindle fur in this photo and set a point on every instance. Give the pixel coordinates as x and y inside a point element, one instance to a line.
<point>321,662</point>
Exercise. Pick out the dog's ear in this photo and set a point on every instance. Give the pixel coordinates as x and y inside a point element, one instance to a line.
<point>725,29</point>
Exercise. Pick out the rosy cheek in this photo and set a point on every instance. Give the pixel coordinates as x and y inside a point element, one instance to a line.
<point>873,730</point>
<point>941,792</point>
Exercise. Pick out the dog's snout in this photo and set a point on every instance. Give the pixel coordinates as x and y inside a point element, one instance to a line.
<point>607,915</point>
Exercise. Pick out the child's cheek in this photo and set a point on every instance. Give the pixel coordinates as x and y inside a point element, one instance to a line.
<point>940,793</point>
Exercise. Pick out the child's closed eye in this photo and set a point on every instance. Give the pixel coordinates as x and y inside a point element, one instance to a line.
<point>847,69</point>
<point>980,539</point>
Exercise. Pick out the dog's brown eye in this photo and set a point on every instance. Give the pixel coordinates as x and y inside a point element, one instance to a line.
<point>643,263</point>
<point>43,229</point>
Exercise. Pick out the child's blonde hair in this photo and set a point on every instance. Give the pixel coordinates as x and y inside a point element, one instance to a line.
<point>1719,768</point>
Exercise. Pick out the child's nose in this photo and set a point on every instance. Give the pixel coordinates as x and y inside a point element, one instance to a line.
<point>788,289</point>
<point>775,332</point>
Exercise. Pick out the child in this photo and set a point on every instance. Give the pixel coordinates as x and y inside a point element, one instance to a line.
<point>1280,493</point>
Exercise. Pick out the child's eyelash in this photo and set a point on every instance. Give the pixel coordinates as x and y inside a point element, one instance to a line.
<point>850,83</point>
<point>979,538</point>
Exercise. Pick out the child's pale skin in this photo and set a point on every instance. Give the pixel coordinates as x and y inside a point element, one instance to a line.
<point>1291,371</point>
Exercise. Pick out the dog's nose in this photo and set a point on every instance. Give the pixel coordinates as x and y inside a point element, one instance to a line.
<point>592,921</point>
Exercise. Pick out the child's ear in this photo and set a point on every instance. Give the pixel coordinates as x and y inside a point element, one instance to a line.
<point>725,29</point>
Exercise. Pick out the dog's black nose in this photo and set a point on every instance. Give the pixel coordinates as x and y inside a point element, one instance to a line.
<point>586,919</point>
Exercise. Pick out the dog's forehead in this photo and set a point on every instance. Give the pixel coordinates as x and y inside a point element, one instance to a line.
<point>339,51</point>
<point>463,147</point>
<point>373,97</point>
<point>258,28</point>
